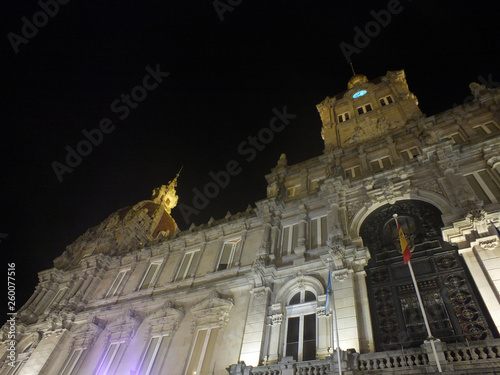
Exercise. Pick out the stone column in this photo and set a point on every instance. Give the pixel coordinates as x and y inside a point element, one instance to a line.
<point>40,359</point>
<point>301,240</point>
<point>265,243</point>
<point>275,326</point>
<point>255,326</point>
<point>366,343</point>
<point>494,163</point>
<point>39,303</point>
<point>482,281</point>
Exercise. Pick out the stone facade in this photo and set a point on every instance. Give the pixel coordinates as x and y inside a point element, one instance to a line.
<point>247,294</point>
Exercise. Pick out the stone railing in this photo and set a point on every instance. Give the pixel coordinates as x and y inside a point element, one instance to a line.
<point>287,367</point>
<point>397,359</point>
<point>475,354</point>
<point>479,357</point>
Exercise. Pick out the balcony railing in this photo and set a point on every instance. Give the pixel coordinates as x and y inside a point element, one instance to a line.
<point>479,357</point>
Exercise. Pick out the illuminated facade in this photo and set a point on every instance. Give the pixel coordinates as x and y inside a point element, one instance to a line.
<point>246,294</point>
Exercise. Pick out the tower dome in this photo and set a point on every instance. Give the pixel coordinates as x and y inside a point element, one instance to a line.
<point>126,229</point>
<point>357,79</point>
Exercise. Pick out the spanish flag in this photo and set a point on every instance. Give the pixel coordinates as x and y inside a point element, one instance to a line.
<point>404,244</point>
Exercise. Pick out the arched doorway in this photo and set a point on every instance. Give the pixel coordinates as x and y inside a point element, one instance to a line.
<point>453,308</point>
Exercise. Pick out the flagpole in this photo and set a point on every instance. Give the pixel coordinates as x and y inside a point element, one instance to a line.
<point>334,320</point>
<point>420,303</point>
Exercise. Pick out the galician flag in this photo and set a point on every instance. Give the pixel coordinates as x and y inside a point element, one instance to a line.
<point>404,244</point>
<point>328,293</point>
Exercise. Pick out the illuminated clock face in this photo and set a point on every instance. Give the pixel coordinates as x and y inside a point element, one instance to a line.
<point>359,94</point>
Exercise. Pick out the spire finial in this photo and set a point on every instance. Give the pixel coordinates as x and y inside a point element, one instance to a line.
<point>352,68</point>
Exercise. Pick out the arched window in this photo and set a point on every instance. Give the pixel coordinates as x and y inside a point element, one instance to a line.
<point>301,327</point>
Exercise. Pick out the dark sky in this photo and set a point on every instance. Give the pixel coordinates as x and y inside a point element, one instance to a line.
<point>227,72</point>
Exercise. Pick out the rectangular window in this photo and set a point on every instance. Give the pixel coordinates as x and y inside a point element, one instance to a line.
<point>353,172</point>
<point>113,290</point>
<point>289,239</point>
<point>227,254</point>
<point>484,186</point>
<point>151,275</point>
<point>59,295</point>
<point>188,265</point>
<point>410,153</point>
<point>73,363</point>
<point>487,128</point>
<point>379,164</point>
<point>155,351</point>
<point>386,101</point>
<point>200,361</point>
<point>301,337</point>
<point>364,108</point>
<point>319,233</point>
<point>111,359</point>
<point>293,191</point>
<point>456,138</point>
<point>314,184</point>
<point>343,117</point>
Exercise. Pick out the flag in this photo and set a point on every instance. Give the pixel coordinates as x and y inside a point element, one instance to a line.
<point>405,249</point>
<point>328,291</point>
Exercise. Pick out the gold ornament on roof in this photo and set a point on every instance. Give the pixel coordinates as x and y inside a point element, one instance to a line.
<point>166,194</point>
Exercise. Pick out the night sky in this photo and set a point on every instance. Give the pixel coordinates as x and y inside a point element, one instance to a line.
<point>222,71</point>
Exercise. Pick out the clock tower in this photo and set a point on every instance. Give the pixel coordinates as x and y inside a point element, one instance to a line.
<point>367,110</point>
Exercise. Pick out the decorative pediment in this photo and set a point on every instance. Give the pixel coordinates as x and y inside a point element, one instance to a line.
<point>124,327</point>
<point>213,310</point>
<point>85,335</point>
<point>165,320</point>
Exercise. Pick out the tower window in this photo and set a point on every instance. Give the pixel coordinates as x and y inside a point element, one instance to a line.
<point>484,186</point>
<point>457,138</point>
<point>379,164</point>
<point>289,239</point>
<point>386,100</point>
<point>353,172</point>
<point>343,117</point>
<point>486,129</point>
<point>293,191</point>
<point>410,153</point>
<point>364,108</point>
<point>318,232</point>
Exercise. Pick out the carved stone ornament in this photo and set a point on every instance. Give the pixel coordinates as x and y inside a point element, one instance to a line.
<point>165,320</point>
<point>259,292</point>
<point>276,319</point>
<point>340,275</point>
<point>124,327</point>
<point>86,334</point>
<point>371,129</point>
<point>476,215</point>
<point>489,244</point>
<point>212,311</point>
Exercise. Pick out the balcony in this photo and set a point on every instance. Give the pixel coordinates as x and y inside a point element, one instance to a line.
<point>479,357</point>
